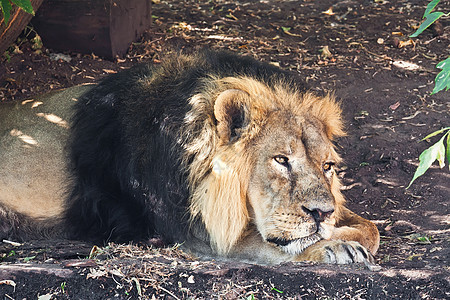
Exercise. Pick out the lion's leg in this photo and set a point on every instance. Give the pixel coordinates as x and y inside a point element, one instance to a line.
<point>351,227</point>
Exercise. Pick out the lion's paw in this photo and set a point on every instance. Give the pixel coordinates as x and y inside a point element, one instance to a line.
<point>339,252</point>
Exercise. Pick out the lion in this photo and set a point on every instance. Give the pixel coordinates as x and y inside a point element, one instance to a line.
<point>230,157</point>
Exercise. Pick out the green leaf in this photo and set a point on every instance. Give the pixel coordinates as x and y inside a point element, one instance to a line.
<point>431,18</point>
<point>430,7</point>
<point>8,56</point>
<point>444,65</point>
<point>286,29</point>
<point>442,81</point>
<point>5,5</point>
<point>441,153</point>
<point>25,5</point>
<point>27,259</point>
<point>448,149</point>
<point>436,133</point>
<point>427,157</point>
<point>424,240</point>
<point>276,290</point>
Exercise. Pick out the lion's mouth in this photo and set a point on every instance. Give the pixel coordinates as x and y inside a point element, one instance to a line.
<point>295,246</point>
<point>280,242</point>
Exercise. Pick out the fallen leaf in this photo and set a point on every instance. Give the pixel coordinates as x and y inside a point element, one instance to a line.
<point>418,256</point>
<point>402,44</point>
<point>138,286</point>
<point>107,71</point>
<point>191,279</point>
<point>45,297</point>
<point>116,272</point>
<point>286,30</point>
<point>9,282</point>
<point>435,249</point>
<point>60,57</point>
<point>395,105</point>
<point>17,50</point>
<point>325,52</point>
<point>329,12</point>
<point>406,65</point>
<point>94,274</point>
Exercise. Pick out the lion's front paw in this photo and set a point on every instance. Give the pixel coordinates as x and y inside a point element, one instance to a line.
<point>338,252</point>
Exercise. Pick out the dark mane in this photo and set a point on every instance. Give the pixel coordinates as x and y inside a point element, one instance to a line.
<point>127,178</point>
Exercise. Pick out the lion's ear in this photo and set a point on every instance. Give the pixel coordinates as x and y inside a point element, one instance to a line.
<point>231,110</point>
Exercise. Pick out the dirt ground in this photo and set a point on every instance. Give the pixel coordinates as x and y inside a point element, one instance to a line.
<point>358,49</point>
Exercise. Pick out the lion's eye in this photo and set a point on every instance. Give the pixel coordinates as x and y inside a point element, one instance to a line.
<point>328,166</point>
<point>282,160</point>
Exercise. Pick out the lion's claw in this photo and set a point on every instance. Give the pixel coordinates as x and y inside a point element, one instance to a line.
<point>340,252</point>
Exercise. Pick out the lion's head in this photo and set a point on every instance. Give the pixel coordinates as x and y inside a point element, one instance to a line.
<point>263,157</point>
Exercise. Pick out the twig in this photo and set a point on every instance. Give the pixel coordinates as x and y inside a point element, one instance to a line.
<point>12,243</point>
<point>169,292</point>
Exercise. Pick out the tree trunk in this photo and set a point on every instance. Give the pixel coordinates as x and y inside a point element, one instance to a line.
<point>17,22</point>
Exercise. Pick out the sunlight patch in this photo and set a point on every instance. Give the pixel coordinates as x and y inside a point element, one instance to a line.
<point>406,65</point>
<point>34,103</point>
<point>223,38</point>
<point>25,138</point>
<point>54,119</point>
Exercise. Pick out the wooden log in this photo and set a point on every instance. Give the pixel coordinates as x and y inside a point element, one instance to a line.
<point>9,271</point>
<point>103,27</point>
<point>17,22</point>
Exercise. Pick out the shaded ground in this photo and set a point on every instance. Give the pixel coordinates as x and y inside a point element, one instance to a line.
<point>388,109</point>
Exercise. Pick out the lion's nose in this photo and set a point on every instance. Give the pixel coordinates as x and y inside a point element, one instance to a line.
<point>317,214</point>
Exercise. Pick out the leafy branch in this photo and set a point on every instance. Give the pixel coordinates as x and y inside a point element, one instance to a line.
<point>438,150</point>
<point>6,7</point>
<point>443,78</point>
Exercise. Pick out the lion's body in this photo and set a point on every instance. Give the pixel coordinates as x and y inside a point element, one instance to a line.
<point>33,136</point>
<point>223,153</point>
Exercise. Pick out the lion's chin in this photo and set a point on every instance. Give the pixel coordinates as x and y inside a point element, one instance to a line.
<point>298,245</point>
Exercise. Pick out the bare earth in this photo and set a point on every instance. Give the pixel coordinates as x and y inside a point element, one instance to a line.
<point>384,82</point>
